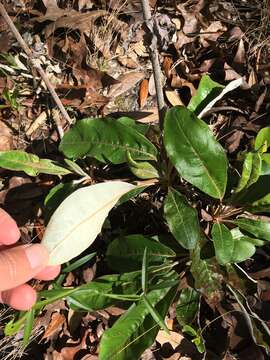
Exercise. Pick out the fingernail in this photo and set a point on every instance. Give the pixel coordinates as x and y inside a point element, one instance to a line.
<point>37,256</point>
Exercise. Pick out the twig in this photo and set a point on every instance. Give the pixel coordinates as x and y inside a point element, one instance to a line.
<point>36,64</point>
<point>151,26</point>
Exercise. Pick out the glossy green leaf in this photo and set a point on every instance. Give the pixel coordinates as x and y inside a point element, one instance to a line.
<point>261,205</point>
<point>234,84</point>
<point>194,151</point>
<point>251,171</point>
<point>106,140</point>
<point>98,294</point>
<point>140,127</point>
<point>156,316</point>
<point>187,306</point>
<point>254,193</point>
<point>31,164</point>
<point>136,330</point>
<point>262,138</point>
<point>75,168</point>
<point>78,263</point>
<point>78,220</point>
<point>258,228</point>
<point>141,169</point>
<point>223,243</point>
<point>126,253</point>
<point>132,194</point>
<point>207,91</point>
<point>182,219</point>
<point>145,271</point>
<point>232,246</point>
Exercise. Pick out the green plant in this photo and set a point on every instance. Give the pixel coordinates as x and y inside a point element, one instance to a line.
<point>191,174</point>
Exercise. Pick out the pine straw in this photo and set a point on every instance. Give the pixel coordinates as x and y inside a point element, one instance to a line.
<point>253,16</point>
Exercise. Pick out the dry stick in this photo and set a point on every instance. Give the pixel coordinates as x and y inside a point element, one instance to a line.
<point>154,59</point>
<point>37,66</point>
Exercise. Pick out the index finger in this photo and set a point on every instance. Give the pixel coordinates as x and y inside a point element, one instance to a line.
<point>9,232</point>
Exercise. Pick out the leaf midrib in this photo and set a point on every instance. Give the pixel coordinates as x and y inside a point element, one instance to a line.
<point>114,146</point>
<point>87,219</point>
<point>201,160</point>
<point>35,165</point>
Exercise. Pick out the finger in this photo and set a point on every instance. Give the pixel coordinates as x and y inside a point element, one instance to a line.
<point>20,264</point>
<point>48,273</point>
<point>9,232</point>
<point>22,297</point>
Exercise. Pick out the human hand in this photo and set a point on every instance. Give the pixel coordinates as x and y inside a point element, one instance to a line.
<point>19,264</point>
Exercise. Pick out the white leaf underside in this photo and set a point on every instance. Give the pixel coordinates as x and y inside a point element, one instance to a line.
<point>78,220</point>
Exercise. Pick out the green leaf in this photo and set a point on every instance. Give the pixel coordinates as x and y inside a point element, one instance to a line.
<point>126,253</point>
<point>75,168</point>
<point>251,171</point>
<point>136,330</point>
<point>142,169</point>
<point>187,306</point>
<point>262,138</point>
<point>78,263</point>
<point>232,246</point>
<point>31,164</point>
<point>140,127</point>
<point>28,326</point>
<point>98,294</point>
<point>254,193</point>
<point>223,243</point>
<point>131,194</point>
<point>207,276</point>
<point>194,151</point>
<point>197,337</point>
<point>182,219</point>
<point>207,91</point>
<point>77,222</point>
<point>106,140</point>
<point>158,319</point>
<point>145,271</point>
<point>56,196</point>
<point>258,228</point>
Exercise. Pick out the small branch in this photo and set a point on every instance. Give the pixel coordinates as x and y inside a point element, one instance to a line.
<point>36,64</point>
<point>150,24</point>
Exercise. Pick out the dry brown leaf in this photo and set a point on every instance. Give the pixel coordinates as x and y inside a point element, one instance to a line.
<point>173,97</point>
<point>140,49</point>
<point>252,78</point>
<point>174,338</point>
<point>212,33</point>
<point>125,82</point>
<point>128,61</point>
<point>166,66</point>
<point>240,56</point>
<point>115,311</point>
<point>143,92</point>
<point>57,320</point>
<point>70,19</point>
<point>6,137</point>
<point>230,73</point>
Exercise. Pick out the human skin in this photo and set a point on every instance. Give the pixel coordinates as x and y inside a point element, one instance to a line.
<point>19,264</point>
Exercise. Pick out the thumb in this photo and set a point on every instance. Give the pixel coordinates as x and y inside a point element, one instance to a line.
<point>20,264</point>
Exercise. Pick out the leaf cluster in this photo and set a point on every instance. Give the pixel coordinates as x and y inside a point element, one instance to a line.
<point>189,171</point>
